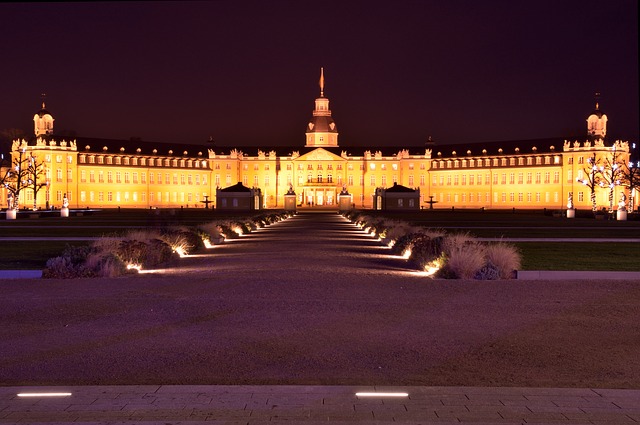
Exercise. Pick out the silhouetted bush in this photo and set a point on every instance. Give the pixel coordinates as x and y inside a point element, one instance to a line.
<point>424,250</point>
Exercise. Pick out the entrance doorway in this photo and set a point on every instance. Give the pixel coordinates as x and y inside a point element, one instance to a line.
<point>319,197</point>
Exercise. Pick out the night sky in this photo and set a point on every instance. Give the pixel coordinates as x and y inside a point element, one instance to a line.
<point>396,72</point>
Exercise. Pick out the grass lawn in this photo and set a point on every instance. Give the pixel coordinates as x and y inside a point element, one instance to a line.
<point>518,224</point>
<point>579,256</point>
<point>19,255</point>
<point>536,255</point>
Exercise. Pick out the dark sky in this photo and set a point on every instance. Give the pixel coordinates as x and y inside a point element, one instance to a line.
<point>397,72</point>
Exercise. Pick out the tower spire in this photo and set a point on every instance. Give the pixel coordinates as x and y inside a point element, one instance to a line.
<point>321,130</point>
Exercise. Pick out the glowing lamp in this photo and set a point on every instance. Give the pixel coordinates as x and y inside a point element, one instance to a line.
<point>375,394</point>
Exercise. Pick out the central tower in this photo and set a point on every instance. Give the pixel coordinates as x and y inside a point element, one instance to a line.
<point>321,130</point>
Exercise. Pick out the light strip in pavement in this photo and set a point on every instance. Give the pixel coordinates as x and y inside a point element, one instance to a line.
<point>382,394</point>
<point>44,394</point>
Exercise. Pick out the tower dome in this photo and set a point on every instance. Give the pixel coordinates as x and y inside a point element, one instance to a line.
<point>597,124</point>
<point>321,129</point>
<point>43,122</point>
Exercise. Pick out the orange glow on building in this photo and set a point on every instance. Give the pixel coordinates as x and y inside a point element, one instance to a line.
<point>133,174</point>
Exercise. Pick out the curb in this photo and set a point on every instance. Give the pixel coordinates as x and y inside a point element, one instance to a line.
<point>576,274</point>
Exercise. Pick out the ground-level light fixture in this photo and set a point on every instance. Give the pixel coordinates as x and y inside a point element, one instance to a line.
<point>44,394</point>
<point>376,394</point>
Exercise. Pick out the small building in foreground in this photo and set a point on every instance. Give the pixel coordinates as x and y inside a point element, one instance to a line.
<point>239,197</point>
<point>397,197</point>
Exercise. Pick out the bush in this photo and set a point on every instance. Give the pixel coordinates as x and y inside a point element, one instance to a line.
<point>148,254</point>
<point>212,232</point>
<point>488,272</point>
<point>244,228</point>
<point>396,230</point>
<point>405,242</point>
<point>131,251</point>
<point>181,241</point>
<point>227,231</point>
<point>504,257</point>
<point>464,256</point>
<point>106,264</point>
<point>71,264</point>
<point>78,262</point>
<point>425,250</point>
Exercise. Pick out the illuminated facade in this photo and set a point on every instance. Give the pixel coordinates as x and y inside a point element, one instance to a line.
<point>96,173</point>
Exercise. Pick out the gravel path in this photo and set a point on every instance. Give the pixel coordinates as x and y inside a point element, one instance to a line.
<point>312,300</point>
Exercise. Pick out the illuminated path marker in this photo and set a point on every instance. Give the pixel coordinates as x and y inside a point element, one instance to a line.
<point>44,394</point>
<point>374,394</point>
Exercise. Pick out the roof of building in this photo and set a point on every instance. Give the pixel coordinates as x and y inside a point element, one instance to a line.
<point>548,145</point>
<point>398,188</point>
<point>95,145</point>
<point>322,124</point>
<point>43,111</point>
<point>238,187</point>
<point>139,147</point>
<point>147,148</point>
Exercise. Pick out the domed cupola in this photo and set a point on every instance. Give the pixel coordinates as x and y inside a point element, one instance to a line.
<point>321,129</point>
<point>43,122</point>
<point>597,123</point>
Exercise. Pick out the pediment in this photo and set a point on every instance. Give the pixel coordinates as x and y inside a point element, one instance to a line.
<point>319,154</point>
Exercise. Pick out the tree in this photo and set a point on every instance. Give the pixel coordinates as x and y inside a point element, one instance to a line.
<point>610,175</point>
<point>591,178</point>
<point>631,180</point>
<point>12,134</point>
<point>35,180</point>
<point>23,172</point>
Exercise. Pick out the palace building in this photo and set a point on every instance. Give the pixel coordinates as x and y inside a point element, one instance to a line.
<point>98,173</point>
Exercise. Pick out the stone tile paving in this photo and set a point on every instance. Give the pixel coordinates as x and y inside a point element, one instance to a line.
<point>255,405</point>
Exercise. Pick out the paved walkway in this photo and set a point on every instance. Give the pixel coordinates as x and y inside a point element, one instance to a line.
<point>254,405</point>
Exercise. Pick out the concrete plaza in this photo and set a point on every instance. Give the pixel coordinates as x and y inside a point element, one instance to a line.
<point>315,405</point>
<point>317,307</point>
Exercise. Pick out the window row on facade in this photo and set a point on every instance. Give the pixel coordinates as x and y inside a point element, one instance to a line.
<point>143,162</point>
<point>498,178</point>
<point>134,177</point>
<point>496,162</point>
<point>485,198</point>
<point>153,198</point>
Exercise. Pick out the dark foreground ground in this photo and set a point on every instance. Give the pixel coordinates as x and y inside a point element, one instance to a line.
<point>313,301</point>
